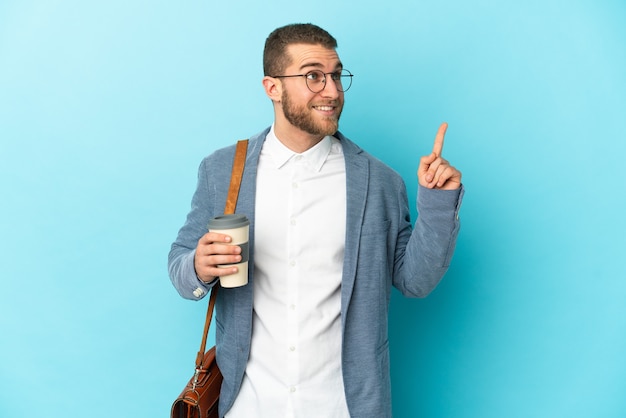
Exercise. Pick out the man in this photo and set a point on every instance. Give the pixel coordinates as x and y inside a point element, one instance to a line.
<point>329,235</point>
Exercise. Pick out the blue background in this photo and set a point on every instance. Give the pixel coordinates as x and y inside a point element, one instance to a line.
<point>106,109</point>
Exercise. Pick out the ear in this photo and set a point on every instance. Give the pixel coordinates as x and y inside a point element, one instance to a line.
<point>273,88</point>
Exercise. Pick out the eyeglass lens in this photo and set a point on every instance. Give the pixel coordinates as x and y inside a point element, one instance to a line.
<point>316,80</point>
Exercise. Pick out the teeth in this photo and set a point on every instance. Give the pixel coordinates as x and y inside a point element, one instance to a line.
<point>324,108</point>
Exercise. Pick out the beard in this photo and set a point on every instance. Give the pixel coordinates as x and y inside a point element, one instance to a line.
<point>302,117</point>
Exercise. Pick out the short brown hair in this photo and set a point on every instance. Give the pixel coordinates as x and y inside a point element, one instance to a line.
<point>275,58</point>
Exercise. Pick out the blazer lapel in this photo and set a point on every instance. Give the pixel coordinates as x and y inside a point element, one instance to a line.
<point>357,181</point>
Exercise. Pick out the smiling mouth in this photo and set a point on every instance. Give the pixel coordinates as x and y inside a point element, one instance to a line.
<point>324,108</point>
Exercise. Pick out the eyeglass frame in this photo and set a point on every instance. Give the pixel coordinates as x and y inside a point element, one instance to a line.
<point>306,80</point>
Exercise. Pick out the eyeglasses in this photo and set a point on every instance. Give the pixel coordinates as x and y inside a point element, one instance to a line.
<point>316,79</point>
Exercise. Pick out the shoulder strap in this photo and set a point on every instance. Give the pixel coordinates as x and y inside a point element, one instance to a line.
<point>231,203</point>
<point>235,178</point>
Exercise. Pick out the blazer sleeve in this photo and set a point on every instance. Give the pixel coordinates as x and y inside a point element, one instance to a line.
<point>181,256</point>
<point>430,246</point>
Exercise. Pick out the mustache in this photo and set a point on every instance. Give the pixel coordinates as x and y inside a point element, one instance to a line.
<point>334,103</point>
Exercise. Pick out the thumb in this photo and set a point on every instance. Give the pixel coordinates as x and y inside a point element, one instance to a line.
<point>426,161</point>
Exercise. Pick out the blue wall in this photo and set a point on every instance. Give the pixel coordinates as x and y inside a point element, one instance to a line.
<point>106,109</point>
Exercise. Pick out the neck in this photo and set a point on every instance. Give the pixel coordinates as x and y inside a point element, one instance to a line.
<point>295,139</point>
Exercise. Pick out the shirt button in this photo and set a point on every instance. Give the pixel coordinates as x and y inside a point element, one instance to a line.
<point>298,157</point>
<point>292,263</point>
<point>198,292</point>
<point>293,221</point>
<point>292,389</point>
<point>292,348</point>
<point>292,307</point>
<point>294,185</point>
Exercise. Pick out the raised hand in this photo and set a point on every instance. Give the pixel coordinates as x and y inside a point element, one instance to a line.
<point>435,172</point>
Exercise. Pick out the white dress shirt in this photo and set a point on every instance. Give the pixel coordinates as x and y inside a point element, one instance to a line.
<point>294,368</point>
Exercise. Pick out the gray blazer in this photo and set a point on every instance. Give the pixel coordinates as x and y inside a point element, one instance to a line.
<point>381,250</point>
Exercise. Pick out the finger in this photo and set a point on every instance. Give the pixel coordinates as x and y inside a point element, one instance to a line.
<point>442,175</point>
<point>427,160</point>
<point>220,254</point>
<point>210,267</point>
<point>425,163</point>
<point>215,250</point>
<point>209,274</point>
<point>435,169</point>
<point>221,260</point>
<point>441,133</point>
<point>211,237</point>
<point>450,179</point>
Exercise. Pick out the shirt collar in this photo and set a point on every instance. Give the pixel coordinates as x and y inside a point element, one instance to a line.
<point>314,157</point>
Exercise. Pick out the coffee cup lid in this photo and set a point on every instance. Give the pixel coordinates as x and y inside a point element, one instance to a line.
<point>228,222</point>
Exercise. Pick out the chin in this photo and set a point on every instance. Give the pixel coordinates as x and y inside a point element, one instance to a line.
<point>330,126</point>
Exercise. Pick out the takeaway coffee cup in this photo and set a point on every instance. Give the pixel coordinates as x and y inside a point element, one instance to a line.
<point>237,227</point>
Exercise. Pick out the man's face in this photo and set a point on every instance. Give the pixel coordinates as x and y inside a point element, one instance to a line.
<point>314,113</point>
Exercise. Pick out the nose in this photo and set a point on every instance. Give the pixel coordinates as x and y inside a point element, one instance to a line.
<point>330,87</point>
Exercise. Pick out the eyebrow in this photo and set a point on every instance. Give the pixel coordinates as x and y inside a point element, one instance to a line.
<point>339,65</point>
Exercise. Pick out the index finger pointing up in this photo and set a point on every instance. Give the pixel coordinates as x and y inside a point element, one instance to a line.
<point>438,147</point>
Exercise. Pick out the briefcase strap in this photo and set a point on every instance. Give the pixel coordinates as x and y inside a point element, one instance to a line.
<point>231,203</point>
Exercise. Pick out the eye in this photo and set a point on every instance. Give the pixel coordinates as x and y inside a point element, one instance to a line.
<point>336,76</point>
<point>315,76</point>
